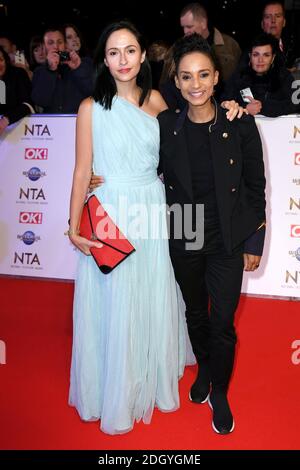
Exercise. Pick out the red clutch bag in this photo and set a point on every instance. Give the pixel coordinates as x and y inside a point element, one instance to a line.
<point>95,224</point>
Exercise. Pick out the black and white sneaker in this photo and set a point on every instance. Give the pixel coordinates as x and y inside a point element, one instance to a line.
<point>222,421</point>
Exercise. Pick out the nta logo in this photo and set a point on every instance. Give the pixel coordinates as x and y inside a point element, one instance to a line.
<point>296,131</point>
<point>297,158</point>
<point>26,258</point>
<point>294,277</point>
<point>294,203</point>
<point>37,130</point>
<point>33,194</point>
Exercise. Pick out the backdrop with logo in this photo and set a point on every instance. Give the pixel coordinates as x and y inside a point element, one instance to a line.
<point>36,165</point>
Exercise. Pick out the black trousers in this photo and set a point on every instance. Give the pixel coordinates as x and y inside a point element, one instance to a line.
<point>211,283</point>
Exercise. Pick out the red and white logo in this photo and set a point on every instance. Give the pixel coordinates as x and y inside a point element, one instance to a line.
<point>297,158</point>
<point>295,231</point>
<point>36,154</point>
<point>31,217</point>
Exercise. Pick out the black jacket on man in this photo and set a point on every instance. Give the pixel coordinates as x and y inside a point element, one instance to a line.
<point>61,91</point>
<point>238,168</point>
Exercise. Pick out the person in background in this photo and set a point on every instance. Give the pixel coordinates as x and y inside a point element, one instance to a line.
<point>74,40</point>
<point>37,53</point>
<point>273,22</point>
<point>65,80</point>
<point>17,92</point>
<point>16,56</point>
<point>167,87</point>
<point>194,19</point>
<point>264,85</point>
<point>156,54</point>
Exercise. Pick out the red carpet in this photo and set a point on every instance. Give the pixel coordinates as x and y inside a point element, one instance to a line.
<point>36,326</point>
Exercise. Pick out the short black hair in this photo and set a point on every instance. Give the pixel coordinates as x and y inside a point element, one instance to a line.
<point>265,39</point>
<point>105,87</point>
<point>193,43</point>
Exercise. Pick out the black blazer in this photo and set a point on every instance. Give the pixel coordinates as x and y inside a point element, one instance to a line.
<point>238,172</point>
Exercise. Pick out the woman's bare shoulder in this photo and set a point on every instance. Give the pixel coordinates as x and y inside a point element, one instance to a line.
<point>86,104</point>
<point>157,102</point>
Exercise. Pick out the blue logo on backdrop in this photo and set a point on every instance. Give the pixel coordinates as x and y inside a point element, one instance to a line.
<point>28,237</point>
<point>297,254</point>
<point>34,173</point>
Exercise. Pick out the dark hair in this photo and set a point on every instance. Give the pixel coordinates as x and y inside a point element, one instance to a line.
<point>105,87</point>
<point>275,72</point>
<point>35,41</point>
<point>193,43</point>
<point>6,60</point>
<point>83,49</point>
<point>265,39</point>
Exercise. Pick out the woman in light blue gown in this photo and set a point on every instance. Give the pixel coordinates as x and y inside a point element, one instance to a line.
<point>129,340</point>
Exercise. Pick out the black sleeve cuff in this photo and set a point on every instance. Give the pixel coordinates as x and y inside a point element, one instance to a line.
<point>254,245</point>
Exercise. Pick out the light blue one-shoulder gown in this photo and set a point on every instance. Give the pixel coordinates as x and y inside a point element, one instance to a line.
<point>129,345</point>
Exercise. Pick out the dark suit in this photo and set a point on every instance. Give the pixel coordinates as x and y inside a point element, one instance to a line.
<point>238,170</point>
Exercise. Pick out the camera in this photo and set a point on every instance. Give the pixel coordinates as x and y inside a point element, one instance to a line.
<point>63,56</point>
<point>19,58</point>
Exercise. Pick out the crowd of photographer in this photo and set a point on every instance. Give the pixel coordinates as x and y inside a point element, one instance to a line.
<point>59,85</point>
<point>59,72</point>
<point>57,77</point>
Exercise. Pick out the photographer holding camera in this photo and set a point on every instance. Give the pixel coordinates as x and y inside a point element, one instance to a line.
<point>65,80</point>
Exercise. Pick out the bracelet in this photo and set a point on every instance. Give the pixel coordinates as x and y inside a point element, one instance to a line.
<point>71,232</point>
<point>263,224</point>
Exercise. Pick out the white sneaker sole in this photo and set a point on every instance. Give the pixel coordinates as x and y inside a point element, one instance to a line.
<point>201,402</point>
<point>212,422</point>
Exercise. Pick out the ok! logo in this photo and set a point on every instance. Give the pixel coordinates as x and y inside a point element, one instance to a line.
<point>295,231</point>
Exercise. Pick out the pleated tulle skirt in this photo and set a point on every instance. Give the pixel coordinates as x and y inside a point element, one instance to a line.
<point>129,338</point>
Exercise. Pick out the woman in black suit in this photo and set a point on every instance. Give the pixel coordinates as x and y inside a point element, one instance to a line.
<point>208,160</point>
